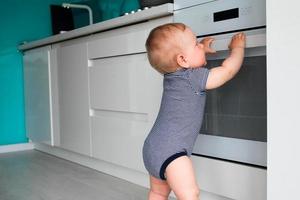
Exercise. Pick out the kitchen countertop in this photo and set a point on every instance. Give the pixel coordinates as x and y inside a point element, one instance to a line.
<point>144,15</point>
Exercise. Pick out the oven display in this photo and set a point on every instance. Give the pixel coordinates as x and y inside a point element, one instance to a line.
<point>226,14</point>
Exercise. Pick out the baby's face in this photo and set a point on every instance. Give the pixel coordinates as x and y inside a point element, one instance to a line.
<point>193,49</point>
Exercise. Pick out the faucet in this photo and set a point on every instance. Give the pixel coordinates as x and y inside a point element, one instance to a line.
<point>68,5</point>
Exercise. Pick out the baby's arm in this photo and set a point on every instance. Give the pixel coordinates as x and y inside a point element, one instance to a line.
<point>231,65</point>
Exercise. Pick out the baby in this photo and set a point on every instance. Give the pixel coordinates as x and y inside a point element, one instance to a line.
<point>174,51</point>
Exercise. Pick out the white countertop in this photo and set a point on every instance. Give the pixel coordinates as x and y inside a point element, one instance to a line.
<point>151,13</point>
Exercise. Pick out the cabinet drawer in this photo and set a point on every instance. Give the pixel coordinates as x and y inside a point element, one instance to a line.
<point>119,140</point>
<point>124,84</point>
<point>118,42</point>
<point>126,40</point>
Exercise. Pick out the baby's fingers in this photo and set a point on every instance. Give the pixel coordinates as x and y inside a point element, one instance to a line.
<point>210,40</point>
<point>238,40</point>
<point>240,36</point>
<point>207,40</point>
<point>207,44</point>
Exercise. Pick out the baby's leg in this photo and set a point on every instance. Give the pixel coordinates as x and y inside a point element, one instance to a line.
<point>181,178</point>
<point>159,189</point>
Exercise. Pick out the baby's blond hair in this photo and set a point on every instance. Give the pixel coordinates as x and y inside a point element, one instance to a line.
<point>163,45</point>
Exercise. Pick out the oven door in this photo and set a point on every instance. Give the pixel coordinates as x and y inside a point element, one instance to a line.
<point>234,126</point>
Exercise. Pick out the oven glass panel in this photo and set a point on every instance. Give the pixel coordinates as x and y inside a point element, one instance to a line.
<point>238,109</point>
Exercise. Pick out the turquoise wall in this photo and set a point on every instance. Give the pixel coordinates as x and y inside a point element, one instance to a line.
<point>29,20</point>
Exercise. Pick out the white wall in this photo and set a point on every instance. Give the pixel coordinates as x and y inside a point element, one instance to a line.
<point>283,61</point>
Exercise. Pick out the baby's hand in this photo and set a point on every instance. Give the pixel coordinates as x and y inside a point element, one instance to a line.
<point>206,43</point>
<point>238,41</point>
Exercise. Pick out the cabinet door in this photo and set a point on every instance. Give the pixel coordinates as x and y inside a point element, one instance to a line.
<point>73,94</point>
<point>37,95</point>
<point>125,94</point>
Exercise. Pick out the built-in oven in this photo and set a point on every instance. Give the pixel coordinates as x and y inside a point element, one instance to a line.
<point>235,119</point>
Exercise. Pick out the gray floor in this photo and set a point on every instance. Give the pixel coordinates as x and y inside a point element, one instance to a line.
<point>33,175</point>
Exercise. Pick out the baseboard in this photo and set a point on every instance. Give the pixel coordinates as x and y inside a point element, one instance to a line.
<point>16,147</point>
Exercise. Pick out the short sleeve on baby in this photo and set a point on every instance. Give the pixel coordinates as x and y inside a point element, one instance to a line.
<point>197,78</point>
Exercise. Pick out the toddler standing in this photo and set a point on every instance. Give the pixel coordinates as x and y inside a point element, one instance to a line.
<point>174,51</point>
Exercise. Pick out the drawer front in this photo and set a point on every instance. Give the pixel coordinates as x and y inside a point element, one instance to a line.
<point>124,84</point>
<point>119,140</point>
<point>127,40</point>
<point>118,42</point>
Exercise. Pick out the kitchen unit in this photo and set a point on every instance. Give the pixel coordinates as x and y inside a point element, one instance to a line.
<point>108,97</point>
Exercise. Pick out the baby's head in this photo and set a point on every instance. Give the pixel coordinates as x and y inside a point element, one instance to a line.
<point>174,46</point>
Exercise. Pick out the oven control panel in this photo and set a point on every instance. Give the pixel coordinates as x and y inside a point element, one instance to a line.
<point>221,16</point>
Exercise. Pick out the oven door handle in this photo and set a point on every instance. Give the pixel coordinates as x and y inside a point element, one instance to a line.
<point>221,44</point>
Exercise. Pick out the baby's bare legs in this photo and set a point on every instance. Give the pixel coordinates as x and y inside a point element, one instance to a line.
<point>159,189</point>
<point>181,178</point>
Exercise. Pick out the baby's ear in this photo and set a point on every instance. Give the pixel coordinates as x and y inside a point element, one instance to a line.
<point>182,61</point>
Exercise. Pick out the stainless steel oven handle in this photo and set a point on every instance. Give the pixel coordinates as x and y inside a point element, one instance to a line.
<point>258,40</point>
<point>254,38</point>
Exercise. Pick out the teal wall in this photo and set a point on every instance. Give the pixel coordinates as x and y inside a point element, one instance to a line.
<point>29,20</point>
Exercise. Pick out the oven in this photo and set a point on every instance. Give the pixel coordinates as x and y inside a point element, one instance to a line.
<point>234,126</point>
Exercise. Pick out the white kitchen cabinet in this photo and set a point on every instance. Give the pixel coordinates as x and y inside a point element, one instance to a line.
<point>125,94</point>
<point>39,111</point>
<point>73,96</point>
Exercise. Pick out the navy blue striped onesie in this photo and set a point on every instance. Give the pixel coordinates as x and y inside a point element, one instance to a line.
<point>179,119</point>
